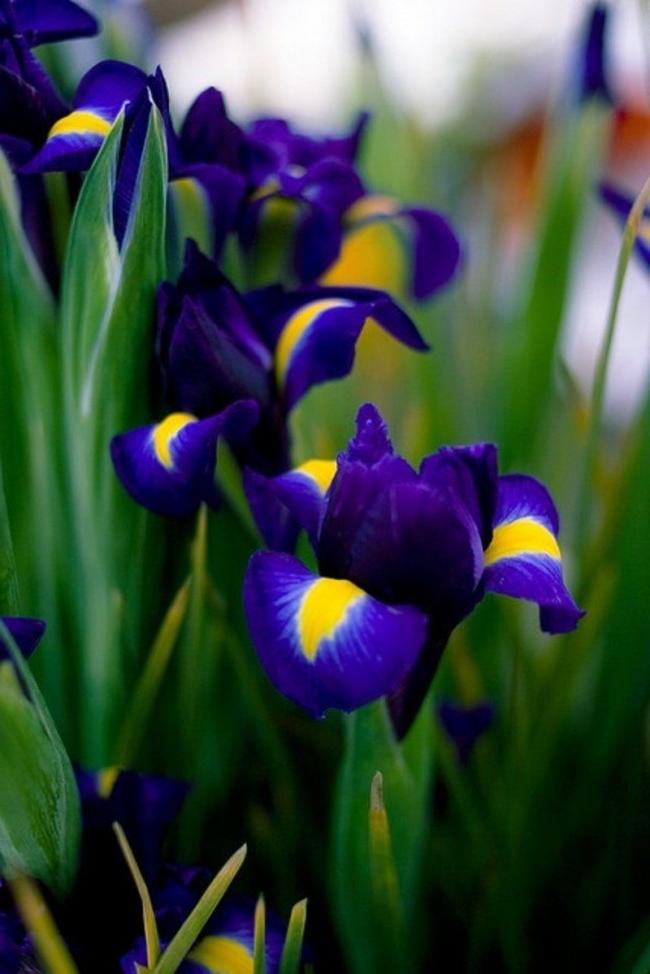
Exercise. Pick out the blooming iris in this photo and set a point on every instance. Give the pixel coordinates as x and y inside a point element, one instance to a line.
<point>403,557</point>
<point>231,360</point>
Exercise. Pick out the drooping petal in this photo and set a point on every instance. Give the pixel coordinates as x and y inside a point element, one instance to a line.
<point>523,559</point>
<point>407,251</point>
<point>284,505</point>
<point>25,632</point>
<point>324,642</point>
<point>168,467</point>
<point>621,204</point>
<point>74,139</point>
<point>472,472</point>
<point>48,21</point>
<point>316,331</point>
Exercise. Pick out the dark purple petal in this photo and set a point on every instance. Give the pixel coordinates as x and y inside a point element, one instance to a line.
<point>215,190</point>
<point>524,559</point>
<point>472,472</point>
<point>209,136</point>
<point>169,467</point>
<point>47,21</point>
<point>324,642</point>
<point>436,252</point>
<point>365,470</point>
<point>592,68</point>
<point>284,505</point>
<point>25,632</point>
<point>465,724</point>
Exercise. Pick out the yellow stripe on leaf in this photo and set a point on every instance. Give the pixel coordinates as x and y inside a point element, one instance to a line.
<point>222,955</point>
<point>80,123</point>
<point>525,536</point>
<point>322,472</point>
<point>164,434</point>
<point>296,326</point>
<point>324,608</point>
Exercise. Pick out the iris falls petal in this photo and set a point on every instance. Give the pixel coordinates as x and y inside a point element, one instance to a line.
<point>168,467</point>
<point>324,642</point>
<point>523,559</point>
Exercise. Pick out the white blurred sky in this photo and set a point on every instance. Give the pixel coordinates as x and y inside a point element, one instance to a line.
<point>299,58</point>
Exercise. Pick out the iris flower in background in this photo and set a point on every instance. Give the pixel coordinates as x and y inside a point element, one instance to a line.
<point>25,632</point>
<point>592,67</point>
<point>403,557</point>
<point>228,360</point>
<point>464,725</point>
<point>226,942</point>
<point>621,204</point>
<point>101,920</point>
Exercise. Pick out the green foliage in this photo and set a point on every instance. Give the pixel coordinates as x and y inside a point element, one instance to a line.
<point>39,803</point>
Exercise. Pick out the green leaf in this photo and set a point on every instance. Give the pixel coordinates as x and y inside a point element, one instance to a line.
<point>39,801</point>
<point>37,919</point>
<point>292,950</point>
<point>370,747</point>
<point>182,942</point>
<point>259,944</point>
<point>148,915</point>
<point>387,902</point>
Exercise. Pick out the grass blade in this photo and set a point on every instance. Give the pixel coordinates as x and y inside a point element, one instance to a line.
<point>292,950</point>
<point>50,947</point>
<point>148,916</point>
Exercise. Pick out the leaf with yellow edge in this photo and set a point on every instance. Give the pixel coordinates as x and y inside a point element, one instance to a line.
<point>292,950</point>
<point>148,916</point>
<point>259,947</point>
<point>48,943</point>
<point>181,943</point>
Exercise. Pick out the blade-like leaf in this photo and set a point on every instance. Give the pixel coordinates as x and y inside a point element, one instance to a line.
<point>50,947</point>
<point>259,946</point>
<point>148,916</point>
<point>292,950</point>
<point>182,942</point>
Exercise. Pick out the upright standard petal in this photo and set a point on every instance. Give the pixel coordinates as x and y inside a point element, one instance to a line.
<point>324,642</point>
<point>284,505</point>
<point>523,559</point>
<point>592,67</point>
<point>25,632</point>
<point>206,199</point>
<point>74,139</point>
<point>407,251</point>
<point>472,473</point>
<point>169,467</point>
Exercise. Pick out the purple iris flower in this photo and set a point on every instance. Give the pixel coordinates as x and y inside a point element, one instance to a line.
<point>592,68</point>
<point>29,102</point>
<point>621,204</point>
<point>226,942</point>
<point>464,725</point>
<point>25,632</point>
<point>269,347</point>
<point>102,916</point>
<point>403,557</point>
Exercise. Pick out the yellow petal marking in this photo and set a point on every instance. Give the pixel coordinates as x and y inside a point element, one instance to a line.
<point>80,123</point>
<point>320,471</point>
<point>372,255</point>
<point>323,609</point>
<point>164,433</point>
<point>296,327</point>
<point>106,781</point>
<point>521,537</point>
<point>222,955</point>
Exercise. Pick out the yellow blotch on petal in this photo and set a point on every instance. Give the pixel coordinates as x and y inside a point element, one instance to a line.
<point>372,255</point>
<point>521,537</point>
<point>222,955</point>
<point>296,326</point>
<point>80,123</point>
<point>164,433</point>
<point>324,608</point>
<point>322,472</point>
<point>106,781</point>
